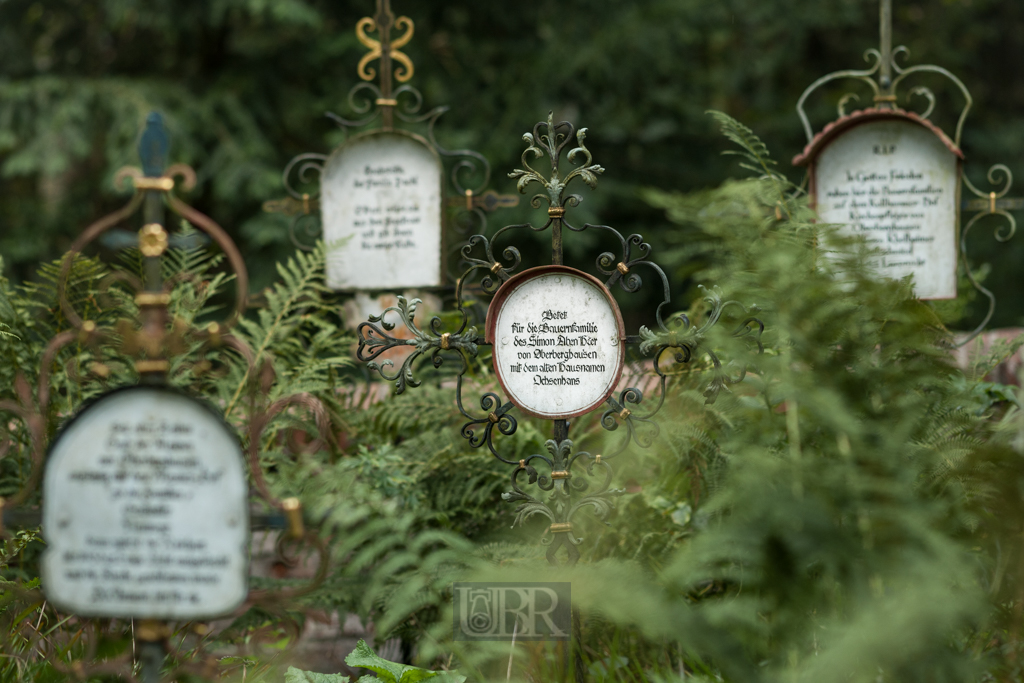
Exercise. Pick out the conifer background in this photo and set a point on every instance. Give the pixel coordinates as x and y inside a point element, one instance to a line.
<point>851,511</point>
<point>245,84</point>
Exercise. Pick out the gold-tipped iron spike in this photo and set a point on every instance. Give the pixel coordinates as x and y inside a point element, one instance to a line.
<point>292,508</point>
<point>386,50</point>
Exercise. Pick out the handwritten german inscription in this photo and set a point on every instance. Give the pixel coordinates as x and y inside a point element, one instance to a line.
<point>557,345</point>
<point>895,183</point>
<point>382,194</point>
<point>145,510</point>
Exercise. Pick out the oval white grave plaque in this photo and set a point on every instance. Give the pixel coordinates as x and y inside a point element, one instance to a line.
<point>558,341</point>
<point>382,192</point>
<point>145,510</point>
<point>896,183</point>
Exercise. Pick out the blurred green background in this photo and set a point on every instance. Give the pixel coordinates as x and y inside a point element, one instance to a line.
<point>244,85</point>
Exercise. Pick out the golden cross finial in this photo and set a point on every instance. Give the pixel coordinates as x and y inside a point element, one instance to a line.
<point>386,50</point>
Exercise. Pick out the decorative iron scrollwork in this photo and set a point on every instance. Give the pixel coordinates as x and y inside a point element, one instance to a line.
<point>470,171</point>
<point>551,144</point>
<point>884,77</point>
<point>640,428</point>
<point>992,203</point>
<point>570,491</point>
<point>373,335</point>
<point>497,416</point>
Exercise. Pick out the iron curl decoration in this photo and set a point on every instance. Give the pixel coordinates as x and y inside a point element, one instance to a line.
<point>374,340</point>
<point>497,416</point>
<point>622,271</point>
<point>569,493</point>
<point>496,271</point>
<point>691,340</point>
<point>382,24</point>
<point>363,99</point>
<point>884,77</point>
<point>640,428</point>
<point>608,265</point>
<point>992,203</point>
<point>302,172</point>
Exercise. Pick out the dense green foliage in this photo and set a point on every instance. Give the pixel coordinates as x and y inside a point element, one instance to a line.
<point>245,83</point>
<point>842,514</point>
<point>850,511</point>
<point>386,672</point>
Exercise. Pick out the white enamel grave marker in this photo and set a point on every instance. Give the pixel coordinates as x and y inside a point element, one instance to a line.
<point>382,192</point>
<point>893,178</point>
<point>145,510</point>
<point>558,341</point>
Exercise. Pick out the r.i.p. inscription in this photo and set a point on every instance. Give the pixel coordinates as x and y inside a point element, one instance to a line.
<point>895,183</point>
<point>557,336</point>
<point>145,510</point>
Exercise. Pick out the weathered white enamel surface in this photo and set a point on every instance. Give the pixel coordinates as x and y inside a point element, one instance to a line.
<point>145,511</point>
<point>895,183</point>
<point>382,192</point>
<point>557,345</point>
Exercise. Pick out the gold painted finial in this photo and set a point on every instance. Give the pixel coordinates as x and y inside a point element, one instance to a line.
<point>385,48</point>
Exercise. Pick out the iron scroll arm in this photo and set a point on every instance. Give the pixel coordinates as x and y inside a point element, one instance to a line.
<point>993,203</point>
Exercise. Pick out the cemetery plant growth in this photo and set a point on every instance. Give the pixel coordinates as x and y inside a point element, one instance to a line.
<point>848,511</point>
<point>810,481</point>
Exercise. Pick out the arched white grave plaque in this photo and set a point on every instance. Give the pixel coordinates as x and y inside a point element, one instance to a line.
<point>893,178</point>
<point>558,341</point>
<point>145,510</point>
<point>382,191</point>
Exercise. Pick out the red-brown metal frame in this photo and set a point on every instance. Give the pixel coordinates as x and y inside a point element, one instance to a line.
<point>510,286</point>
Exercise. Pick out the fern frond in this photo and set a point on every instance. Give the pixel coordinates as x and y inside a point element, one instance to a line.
<point>755,151</point>
<point>301,286</point>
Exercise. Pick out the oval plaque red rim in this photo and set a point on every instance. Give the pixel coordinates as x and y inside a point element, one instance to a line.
<point>502,295</point>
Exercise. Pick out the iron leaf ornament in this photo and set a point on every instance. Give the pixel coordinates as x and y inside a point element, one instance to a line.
<point>551,144</point>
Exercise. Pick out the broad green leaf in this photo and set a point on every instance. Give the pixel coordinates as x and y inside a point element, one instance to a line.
<point>390,672</point>
<point>293,675</point>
